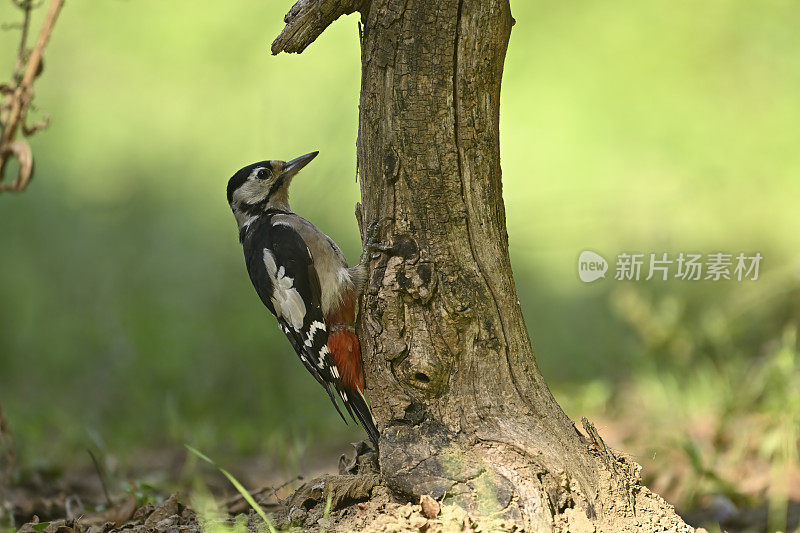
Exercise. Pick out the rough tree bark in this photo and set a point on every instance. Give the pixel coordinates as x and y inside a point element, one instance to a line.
<point>463,410</point>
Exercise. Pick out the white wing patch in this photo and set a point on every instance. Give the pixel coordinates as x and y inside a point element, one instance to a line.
<point>285,298</point>
<point>316,325</point>
<point>322,353</point>
<point>312,329</point>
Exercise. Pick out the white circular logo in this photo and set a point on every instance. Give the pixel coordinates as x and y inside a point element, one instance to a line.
<point>591,266</point>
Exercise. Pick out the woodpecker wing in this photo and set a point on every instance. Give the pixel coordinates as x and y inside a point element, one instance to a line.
<point>282,271</point>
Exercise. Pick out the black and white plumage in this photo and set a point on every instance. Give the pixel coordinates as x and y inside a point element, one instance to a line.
<point>282,271</point>
<point>302,277</point>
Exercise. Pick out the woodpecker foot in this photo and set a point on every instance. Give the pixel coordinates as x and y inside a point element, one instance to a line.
<point>373,248</point>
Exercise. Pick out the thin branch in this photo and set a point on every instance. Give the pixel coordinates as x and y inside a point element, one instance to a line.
<point>306,21</point>
<point>19,97</point>
<point>26,6</point>
<point>36,127</point>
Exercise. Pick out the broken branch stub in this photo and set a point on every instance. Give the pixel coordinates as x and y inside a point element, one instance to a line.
<point>306,21</point>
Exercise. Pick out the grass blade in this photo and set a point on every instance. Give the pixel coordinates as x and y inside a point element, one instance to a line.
<point>238,486</point>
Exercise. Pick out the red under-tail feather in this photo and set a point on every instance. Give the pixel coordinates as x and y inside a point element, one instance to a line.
<point>343,345</point>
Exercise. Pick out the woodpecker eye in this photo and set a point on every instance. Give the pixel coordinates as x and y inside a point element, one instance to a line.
<point>262,173</point>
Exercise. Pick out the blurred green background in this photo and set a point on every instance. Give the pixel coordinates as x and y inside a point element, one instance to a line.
<point>127,317</point>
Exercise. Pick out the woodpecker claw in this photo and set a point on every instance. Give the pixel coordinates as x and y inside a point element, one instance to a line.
<point>380,247</point>
<point>373,230</point>
<point>372,246</point>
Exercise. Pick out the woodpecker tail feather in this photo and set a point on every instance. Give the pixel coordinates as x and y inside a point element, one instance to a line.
<point>299,348</point>
<point>329,390</point>
<point>343,344</point>
<point>364,413</point>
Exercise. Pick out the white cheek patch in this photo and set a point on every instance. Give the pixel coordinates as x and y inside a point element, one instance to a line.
<point>285,298</point>
<point>251,191</point>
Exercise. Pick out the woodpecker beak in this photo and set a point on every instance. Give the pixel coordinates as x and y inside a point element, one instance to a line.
<point>293,167</point>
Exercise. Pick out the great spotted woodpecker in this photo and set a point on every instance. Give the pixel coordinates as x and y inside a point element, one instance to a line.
<point>303,278</point>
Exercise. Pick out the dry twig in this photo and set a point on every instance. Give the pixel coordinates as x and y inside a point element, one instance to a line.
<point>18,94</point>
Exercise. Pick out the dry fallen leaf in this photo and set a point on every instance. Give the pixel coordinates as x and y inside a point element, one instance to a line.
<point>430,507</point>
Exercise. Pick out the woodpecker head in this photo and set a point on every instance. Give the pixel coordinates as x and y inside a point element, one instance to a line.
<point>264,185</point>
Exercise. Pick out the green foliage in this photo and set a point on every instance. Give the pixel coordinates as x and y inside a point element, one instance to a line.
<point>327,513</point>
<point>143,493</point>
<point>715,396</point>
